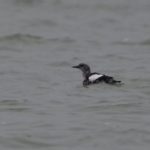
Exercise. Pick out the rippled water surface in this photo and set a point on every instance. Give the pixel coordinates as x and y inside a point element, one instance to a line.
<point>43,105</point>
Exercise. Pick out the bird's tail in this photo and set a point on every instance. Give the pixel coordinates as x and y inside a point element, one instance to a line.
<point>116,82</point>
<point>111,80</point>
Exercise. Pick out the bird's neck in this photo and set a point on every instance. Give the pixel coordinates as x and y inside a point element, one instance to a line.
<point>86,74</point>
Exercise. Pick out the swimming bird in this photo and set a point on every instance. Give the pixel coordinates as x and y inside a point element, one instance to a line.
<point>94,78</point>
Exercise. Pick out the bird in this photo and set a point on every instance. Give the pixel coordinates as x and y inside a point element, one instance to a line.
<point>94,78</point>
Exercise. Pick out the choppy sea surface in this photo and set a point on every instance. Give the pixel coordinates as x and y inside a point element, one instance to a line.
<point>43,105</point>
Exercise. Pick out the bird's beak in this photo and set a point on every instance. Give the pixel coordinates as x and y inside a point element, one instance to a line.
<point>75,66</point>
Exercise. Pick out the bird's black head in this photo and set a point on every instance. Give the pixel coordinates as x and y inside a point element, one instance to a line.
<point>84,68</point>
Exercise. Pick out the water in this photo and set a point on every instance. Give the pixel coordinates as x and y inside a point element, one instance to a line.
<point>43,105</point>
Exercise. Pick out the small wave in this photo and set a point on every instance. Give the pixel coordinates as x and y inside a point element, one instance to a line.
<point>128,42</point>
<point>12,102</point>
<point>26,141</point>
<point>145,42</point>
<point>22,38</point>
<point>33,39</point>
<point>43,22</point>
<point>13,105</point>
<point>62,40</point>
<point>27,2</point>
<point>113,108</point>
<point>125,43</point>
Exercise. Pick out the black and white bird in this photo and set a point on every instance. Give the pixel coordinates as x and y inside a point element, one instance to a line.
<point>94,78</point>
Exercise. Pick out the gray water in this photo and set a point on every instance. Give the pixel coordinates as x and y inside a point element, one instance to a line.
<point>43,105</point>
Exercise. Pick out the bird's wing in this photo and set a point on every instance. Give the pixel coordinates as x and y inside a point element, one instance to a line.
<point>94,77</point>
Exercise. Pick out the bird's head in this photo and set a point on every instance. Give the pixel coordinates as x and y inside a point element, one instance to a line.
<point>84,68</point>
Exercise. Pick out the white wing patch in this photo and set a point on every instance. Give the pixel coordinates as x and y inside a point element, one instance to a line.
<point>94,77</point>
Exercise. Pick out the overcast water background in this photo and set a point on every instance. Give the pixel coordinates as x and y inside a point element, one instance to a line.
<point>43,105</point>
